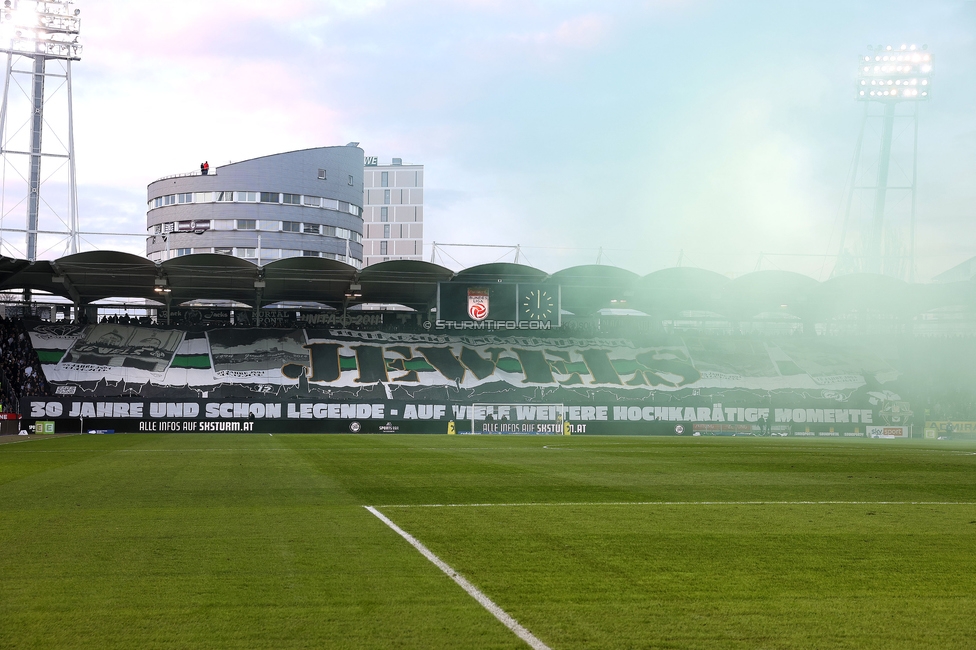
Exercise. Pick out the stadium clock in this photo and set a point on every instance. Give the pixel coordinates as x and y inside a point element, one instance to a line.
<point>537,304</point>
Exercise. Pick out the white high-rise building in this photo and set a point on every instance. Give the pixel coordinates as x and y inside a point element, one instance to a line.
<point>393,211</point>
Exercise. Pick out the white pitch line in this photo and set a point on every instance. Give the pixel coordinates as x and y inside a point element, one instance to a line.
<point>473,591</point>
<point>142,451</point>
<point>682,503</point>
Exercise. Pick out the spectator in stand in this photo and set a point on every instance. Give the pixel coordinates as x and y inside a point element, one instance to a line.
<point>20,369</point>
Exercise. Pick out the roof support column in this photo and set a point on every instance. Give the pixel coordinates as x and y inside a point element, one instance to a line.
<point>259,285</point>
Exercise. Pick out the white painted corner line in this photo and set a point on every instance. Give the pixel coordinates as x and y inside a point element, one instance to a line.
<point>473,591</point>
<point>542,504</point>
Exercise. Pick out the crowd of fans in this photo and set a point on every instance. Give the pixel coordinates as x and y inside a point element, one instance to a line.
<point>20,369</point>
<point>127,320</point>
<point>950,405</point>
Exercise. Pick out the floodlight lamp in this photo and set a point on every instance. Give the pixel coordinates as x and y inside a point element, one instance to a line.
<point>912,47</point>
<point>888,48</point>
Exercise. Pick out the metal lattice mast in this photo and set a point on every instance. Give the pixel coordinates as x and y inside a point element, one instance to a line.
<point>890,77</point>
<point>40,31</point>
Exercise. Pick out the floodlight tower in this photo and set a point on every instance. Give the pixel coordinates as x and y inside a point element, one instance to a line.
<point>34,33</point>
<point>890,77</point>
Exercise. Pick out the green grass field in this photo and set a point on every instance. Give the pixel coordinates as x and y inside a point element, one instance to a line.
<point>254,541</point>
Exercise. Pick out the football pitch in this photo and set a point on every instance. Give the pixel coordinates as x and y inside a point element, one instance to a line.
<point>329,541</point>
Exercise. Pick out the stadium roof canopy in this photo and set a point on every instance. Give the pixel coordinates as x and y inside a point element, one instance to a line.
<point>87,277</point>
<point>411,283</point>
<point>591,287</point>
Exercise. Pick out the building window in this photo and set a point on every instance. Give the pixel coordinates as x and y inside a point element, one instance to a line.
<point>321,174</point>
<point>169,227</point>
<point>245,252</point>
<point>180,252</point>
<point>169,199</point>
<point>385,179</point>
<point>386,197</point>
<point>202,250</point>
<point>312,200</point>
<point>291,226</point>
<point>223,196</point>
<point>157,229</point>
<point>247,224</point>
<point>382,248</point>
<point>386,231</point>
<point>311,229</point>
<point>247,196</point>
<point>310,253</point>
<point>384,214</point>
<point>269,197</point>
<point>202,197</point>
<point>291,199</point>
<point>184,198</point>
<point>223,250</point>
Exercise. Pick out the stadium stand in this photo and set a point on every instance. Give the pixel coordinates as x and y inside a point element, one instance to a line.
<point>22,375</point>
<point>316,331</point>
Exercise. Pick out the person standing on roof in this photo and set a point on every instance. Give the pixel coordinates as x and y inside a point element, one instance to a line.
<point>204,168</point>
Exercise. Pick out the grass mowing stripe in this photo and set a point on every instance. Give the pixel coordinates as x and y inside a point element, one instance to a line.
<point>472,591</point>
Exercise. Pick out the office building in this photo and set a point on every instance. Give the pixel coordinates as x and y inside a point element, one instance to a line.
<point>393,211</point>
<point>299,203</point>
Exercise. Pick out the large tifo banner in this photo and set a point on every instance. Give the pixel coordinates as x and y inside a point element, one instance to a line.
<point>111,359</point>
<point>337,375</point>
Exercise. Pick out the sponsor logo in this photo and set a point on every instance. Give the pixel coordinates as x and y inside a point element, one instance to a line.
<point>65,390</point>
<point>679,429</point>
<point>478,303</point>
<point>355,427</point>
<point>389,427</point>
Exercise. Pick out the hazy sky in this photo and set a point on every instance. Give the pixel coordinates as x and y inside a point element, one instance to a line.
<point>720,129</point>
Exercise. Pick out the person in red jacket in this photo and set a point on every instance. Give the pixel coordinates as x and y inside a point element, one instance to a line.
<point>204,168</point>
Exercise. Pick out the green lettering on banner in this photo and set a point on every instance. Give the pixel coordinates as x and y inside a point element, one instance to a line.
<point>601,370</point>
<point>324,358</point>
<point>535,366</point>
<point>444,361</point>
<point>372,365</point>
<point>477,364</point>
<point>401,364</point>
